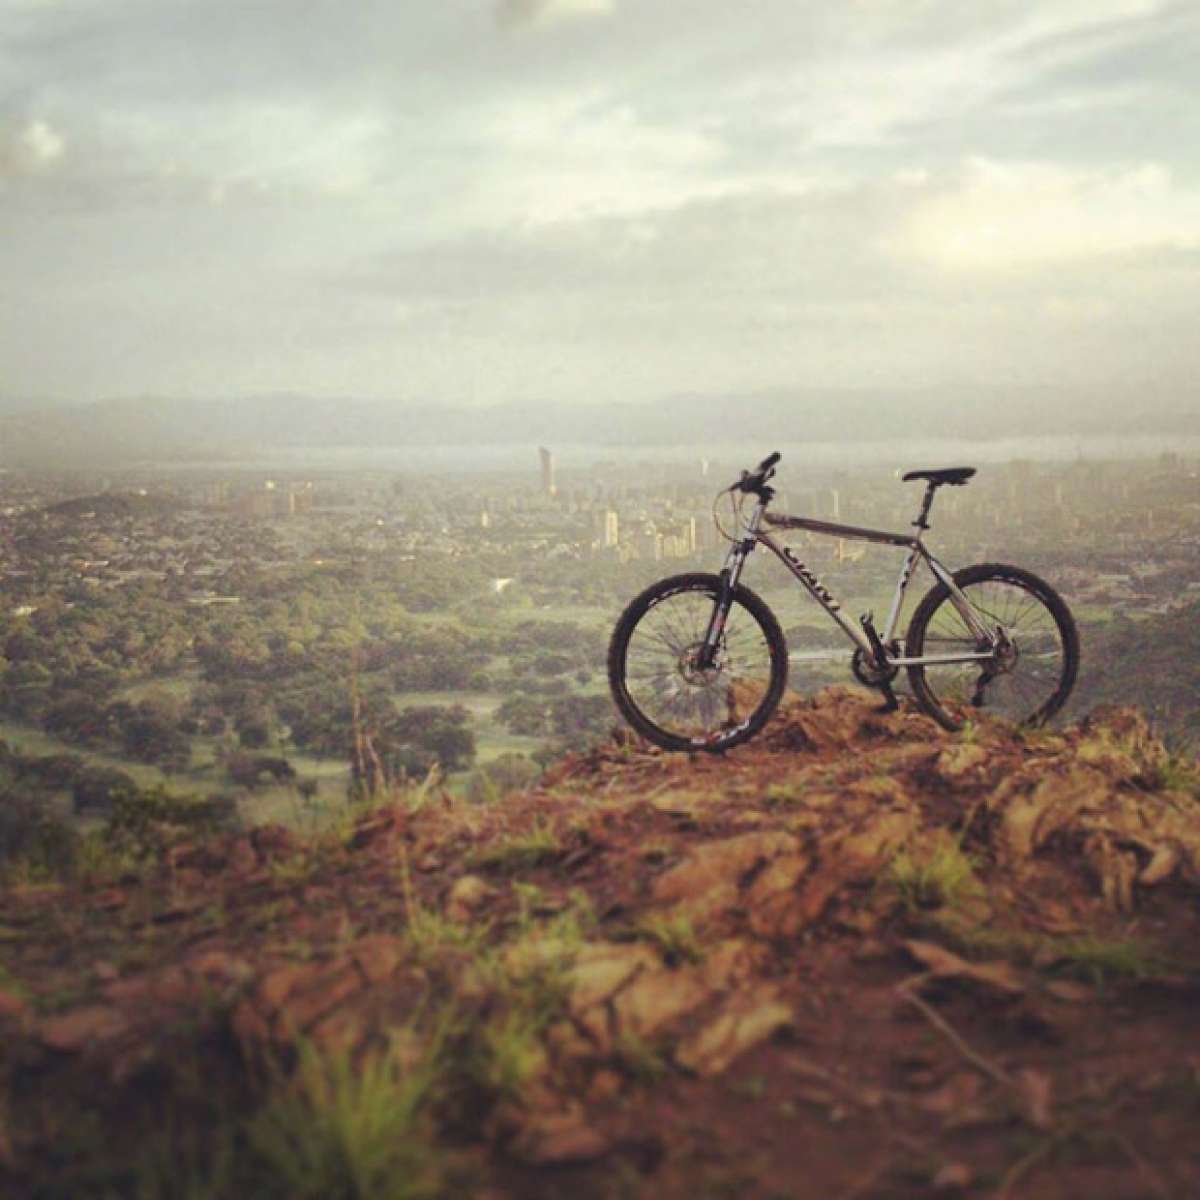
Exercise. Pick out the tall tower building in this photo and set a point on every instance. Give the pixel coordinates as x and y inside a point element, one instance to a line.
<point>612,528</point>
<point>548,485</point>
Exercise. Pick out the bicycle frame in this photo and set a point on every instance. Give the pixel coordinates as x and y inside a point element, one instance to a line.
<point>755,535</point>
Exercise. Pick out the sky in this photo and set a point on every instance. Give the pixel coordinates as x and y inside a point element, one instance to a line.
<point>590,200</point>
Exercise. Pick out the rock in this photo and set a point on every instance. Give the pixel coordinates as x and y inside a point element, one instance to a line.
<point>1115,870</point>
<point>249,1026</point>
<point>276,985</point>
<point>680,804</point>
<point>1069,992</point>
<point>242,858</point>
<point>378,955</point>
<point>750,1017</point>
<point>535,953</point>
<point>852,858</point>
<point>655,999</point>
<point>956,1095</point>
<point>173,985</point>
<point>605,1086</point>
<point>1034,1088</point>
<point>771,900</point>
<point>466,897</point>
<point>601,970</point>
<point>220,964</point>
<point>339,1031</point>
<point>11,1005</point>
<point>1118,740</point>
<point>730,962</point>
<point>1030,818</point>
<point>962,764</point>
<point>558,1137</point>
<point>1161,866</point>
<point>567,1044</point>
<point>321,994</point>
<point>708,880</point>
<point>942,964</point>
<point>82,1027</point>
<point>952,1177</point>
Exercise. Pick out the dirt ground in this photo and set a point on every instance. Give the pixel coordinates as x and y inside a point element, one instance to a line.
<point>860,957</point>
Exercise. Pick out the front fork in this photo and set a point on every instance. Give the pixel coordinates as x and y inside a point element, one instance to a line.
<point>731,573</point>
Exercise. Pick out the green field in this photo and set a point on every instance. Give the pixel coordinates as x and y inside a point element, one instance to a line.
<point>270,802</point>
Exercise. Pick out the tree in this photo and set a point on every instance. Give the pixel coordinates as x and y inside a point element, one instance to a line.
<point>410,743</point>
<point>97,787</point>
<point>508,773</point>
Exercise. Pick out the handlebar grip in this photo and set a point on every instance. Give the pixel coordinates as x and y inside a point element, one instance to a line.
<point>768,462</point>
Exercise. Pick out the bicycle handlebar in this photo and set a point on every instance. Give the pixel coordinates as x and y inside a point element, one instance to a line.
<point>753,481</point>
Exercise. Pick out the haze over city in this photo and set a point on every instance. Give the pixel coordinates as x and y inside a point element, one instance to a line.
<point>592,201</point>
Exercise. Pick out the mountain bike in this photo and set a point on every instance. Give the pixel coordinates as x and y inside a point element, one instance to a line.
<point>699,661</point>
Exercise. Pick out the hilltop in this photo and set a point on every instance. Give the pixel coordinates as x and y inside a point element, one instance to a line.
<point>860,957</point>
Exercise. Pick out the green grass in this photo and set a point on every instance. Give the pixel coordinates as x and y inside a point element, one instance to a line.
<point>1093,958</point>
<point>1099,960</point>
<point>353,1131</point>
<point>674,935</point>
<point>521,851</point>
<point>932,873</point>
<point>509,1053</point>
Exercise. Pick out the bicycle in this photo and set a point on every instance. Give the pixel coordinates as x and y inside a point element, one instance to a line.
<point>699,661</point>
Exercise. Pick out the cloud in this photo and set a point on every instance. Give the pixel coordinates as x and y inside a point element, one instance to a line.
<point>519,13</point>
<point>1007,216</point>
<point>29,147</point>
<point>681,197</point>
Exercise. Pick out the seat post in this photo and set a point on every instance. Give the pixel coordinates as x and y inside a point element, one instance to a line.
<point>922,522</point>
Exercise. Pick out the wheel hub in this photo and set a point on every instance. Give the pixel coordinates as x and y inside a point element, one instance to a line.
<point>690,669</point>
<point>1006,654</point>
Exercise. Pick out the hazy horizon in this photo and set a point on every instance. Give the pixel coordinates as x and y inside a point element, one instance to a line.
<point>592,201</point>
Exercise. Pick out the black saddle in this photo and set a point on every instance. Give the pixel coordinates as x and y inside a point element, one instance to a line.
<point>952,475</point>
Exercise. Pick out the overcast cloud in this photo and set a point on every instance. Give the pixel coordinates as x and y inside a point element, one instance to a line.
<point>596,199</point>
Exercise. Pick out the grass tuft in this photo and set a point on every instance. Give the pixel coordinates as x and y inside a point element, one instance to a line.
<point>674,935</point>
<point>521,851</point>
<point>934,873</point>
<point>1100,960</point>
<point>341,1131</point>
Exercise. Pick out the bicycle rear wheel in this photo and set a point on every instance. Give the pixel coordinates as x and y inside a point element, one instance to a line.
<point>658,684</point>
<point>1028,681</point>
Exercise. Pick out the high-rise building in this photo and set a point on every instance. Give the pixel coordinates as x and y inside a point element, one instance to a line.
<point>612,528</point>
<point>548,485</point>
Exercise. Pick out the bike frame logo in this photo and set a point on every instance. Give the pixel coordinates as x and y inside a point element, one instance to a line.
<point>818,589</point>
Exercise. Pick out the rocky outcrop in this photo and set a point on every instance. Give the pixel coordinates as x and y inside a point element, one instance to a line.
<point>666,937</point>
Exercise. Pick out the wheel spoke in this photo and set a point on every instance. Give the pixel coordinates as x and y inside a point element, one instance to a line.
<point>1030,675</point>
<point>674,698</point>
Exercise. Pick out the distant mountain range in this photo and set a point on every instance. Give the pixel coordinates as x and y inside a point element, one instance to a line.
<point>112,432</point>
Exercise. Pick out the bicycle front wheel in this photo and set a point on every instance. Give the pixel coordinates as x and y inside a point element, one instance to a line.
<point>658,681</point>
<point>1029,678</point>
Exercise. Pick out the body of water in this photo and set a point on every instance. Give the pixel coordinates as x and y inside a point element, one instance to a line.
<point>910,453</point>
